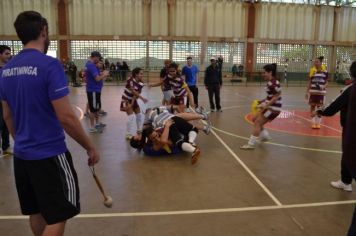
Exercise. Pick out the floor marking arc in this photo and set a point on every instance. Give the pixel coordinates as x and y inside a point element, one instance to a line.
<point>81,116</point>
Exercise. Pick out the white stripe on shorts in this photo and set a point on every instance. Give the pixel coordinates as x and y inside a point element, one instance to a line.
<point>95,105</point>
<point>69,179</point>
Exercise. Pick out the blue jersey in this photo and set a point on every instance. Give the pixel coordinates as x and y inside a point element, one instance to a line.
<point>91,71</point>
<point>190,74</point>
<point>29,83</point>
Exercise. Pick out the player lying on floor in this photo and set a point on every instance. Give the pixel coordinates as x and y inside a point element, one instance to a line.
<point>168,132</point>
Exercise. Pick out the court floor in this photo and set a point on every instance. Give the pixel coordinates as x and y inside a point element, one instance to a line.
<point>280,188</point>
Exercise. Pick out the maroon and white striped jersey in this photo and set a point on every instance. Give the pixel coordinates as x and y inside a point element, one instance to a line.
<point>166,85</point>
<point>273,87</point>
<point>132,84</point>
<point>318,82</point>
<point>178,86</point>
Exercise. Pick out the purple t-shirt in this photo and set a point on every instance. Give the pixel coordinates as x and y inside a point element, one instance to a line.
<point>29,82</point>
<point>91,71</point>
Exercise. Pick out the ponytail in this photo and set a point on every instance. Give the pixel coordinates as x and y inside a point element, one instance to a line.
<point>271,68</point>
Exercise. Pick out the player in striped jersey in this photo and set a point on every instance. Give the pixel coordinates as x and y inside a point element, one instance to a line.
<point>180,89</point>
<point>164,83</point>
<point>269,108</point>
<point>133,102</point>
<point>316,90</point>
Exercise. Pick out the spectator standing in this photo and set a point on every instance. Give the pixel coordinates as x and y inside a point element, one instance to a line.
<point>190,74</point>
<point>213,83</point>
<point>124,70</point>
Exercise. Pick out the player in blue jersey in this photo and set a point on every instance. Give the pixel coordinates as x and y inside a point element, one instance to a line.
<point>94,85</point>
<point>37,111</point>
<point>5,56</point>
<point>190,73</point>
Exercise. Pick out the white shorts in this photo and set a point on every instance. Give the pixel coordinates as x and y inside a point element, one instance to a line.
<point>142,105</point>
<point>167,95</point>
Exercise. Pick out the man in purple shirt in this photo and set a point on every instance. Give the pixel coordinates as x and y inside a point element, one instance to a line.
<point>5,56</point>
<point>93,87</point>
<point>34,93</point>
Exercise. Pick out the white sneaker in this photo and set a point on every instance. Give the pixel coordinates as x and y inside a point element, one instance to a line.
<point>265,139</point>
<point>207,128</point>
<point>340,185</point>
<point>247,147</point>
<point>93,130</point>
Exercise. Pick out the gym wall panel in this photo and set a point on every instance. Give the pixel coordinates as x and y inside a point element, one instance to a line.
<point>159,18</point>
<point>224,18</point>
<point>326,24</point>
<point>9,9</point>
<point>346,24</point>
<point>284,21</point>
<point>106,17</point>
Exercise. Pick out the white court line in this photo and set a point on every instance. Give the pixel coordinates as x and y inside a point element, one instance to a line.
<point>280,144</point>
<point>269,193</point>
<point>247,169</point>
<point>191,212</point>
<point>81,112</point>
<point>303,118</point>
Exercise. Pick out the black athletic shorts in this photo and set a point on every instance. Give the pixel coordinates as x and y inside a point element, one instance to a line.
<point>94,101</point>
<point>49,187</point>
<point>179,131</point>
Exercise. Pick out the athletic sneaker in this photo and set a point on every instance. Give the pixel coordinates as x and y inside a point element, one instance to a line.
<point>103,113</point>
<point>317,126</point>
<point>314,126</point>
<point>7,152</point>
<point>207,128</point>
<point>247,147</point>
<point>100,125</point>
<point>265,139</point>
<point>203,113</point>
<point>93,130</point>
<point>195,155</point>
<point>220,110</point>
<point>340,185</point>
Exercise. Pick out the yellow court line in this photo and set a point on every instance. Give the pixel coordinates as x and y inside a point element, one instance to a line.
<point>191,212</point>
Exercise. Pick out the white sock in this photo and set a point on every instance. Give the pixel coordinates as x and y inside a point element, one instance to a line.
<point>187,147</point>
<point>131,126</point>
<point>192,136</point>
<point>252,141</point>
<point>264,133</point>
<point>314,120</point>
<point>318,120</point>
<point>140,118</point>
